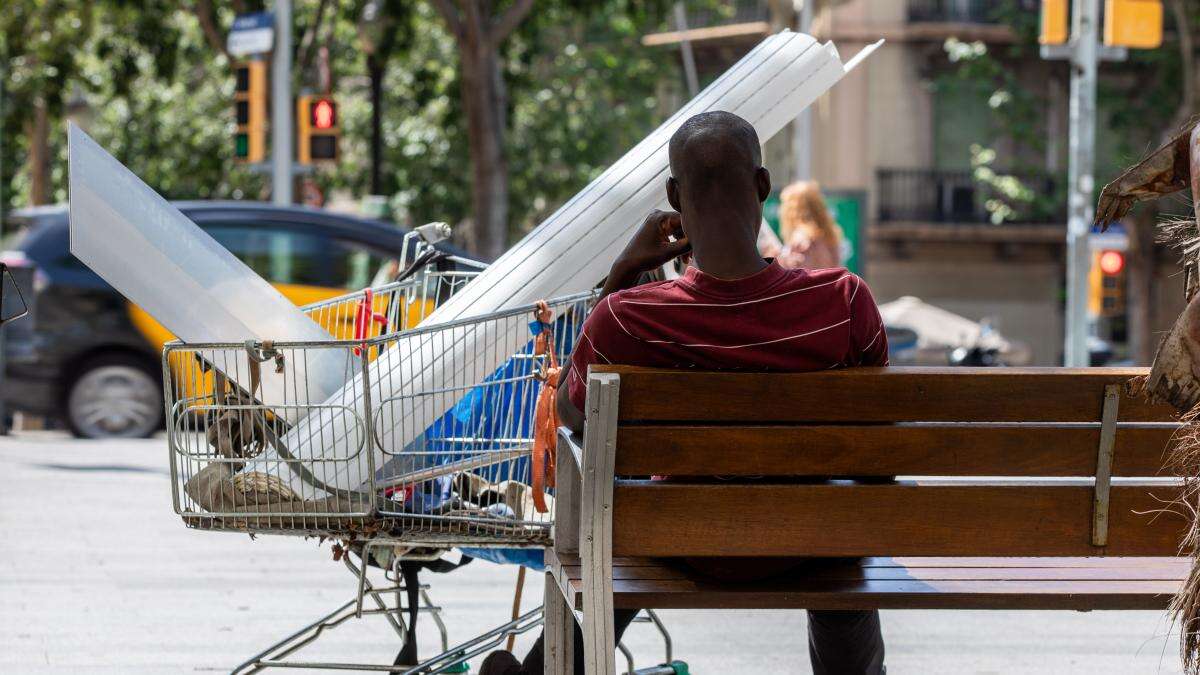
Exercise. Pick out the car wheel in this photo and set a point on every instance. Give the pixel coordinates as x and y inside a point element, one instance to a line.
<point>114,396</point>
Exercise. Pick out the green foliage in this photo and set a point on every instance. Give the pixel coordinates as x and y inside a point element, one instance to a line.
<point>149,89</point>
<point>1136,103</point>
<point>427,171</point>
<point>162,105</point>
<point>581,92</point>
<point>1016,115</point>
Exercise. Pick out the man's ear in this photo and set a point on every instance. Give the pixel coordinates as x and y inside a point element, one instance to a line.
<point>673,193</point>
<point>762,179</point>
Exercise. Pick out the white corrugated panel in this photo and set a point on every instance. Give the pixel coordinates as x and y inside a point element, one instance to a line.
<point>158,258</point>
<point>570,251</point>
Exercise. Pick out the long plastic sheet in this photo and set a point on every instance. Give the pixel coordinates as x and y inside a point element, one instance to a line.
<point>158,258</point>
<point>569,252</point>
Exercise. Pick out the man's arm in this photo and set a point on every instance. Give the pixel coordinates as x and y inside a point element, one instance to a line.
<point>867,334</point>
<point>659,240</point>
<point>568,415</point>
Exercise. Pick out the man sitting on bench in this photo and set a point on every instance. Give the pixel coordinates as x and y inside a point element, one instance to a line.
<point>731,310</point>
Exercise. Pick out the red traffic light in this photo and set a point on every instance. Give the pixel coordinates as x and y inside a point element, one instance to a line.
<point>324,116</point>
<point>1112,262</point>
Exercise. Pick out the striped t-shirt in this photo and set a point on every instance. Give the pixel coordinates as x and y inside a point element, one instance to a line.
<point>774,320</point>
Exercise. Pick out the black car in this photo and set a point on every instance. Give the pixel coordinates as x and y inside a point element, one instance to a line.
<point>88,356</point>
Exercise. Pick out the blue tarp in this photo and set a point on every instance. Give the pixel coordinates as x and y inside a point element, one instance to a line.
<point>489,415</point>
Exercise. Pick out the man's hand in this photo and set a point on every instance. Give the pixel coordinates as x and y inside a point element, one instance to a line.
<point>651,247</point>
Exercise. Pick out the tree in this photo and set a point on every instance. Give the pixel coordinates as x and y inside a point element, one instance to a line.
<point>41,64</point>
<point>580,91</point>
<point>1140,104</point>
<point>383,26</point>
<point>480,30</point>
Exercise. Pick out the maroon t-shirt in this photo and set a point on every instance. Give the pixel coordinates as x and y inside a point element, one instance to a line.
<point>774,320</point>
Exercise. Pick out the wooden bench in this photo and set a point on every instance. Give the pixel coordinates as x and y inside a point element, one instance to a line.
<point>1031,489</point>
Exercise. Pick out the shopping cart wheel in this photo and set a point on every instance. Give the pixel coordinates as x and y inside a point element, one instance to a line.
<point>460,667</point>
<point>672,668</point>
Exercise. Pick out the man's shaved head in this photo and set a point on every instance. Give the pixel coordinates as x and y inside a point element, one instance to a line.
<point>718,185</point>
<point>715,149</point>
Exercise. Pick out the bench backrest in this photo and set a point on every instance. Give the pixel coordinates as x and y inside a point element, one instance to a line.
<point>1014,462</point>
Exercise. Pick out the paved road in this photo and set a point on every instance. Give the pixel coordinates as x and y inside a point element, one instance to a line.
<point>97,575</point>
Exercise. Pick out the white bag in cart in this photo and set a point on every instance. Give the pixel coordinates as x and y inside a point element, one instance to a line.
<point>159,259</point>
<point>570,252</point>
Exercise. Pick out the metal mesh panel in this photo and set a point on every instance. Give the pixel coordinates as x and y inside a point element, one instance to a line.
<point>466,479</point>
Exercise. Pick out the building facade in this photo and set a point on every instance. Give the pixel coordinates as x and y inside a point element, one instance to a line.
<point>908,134</point>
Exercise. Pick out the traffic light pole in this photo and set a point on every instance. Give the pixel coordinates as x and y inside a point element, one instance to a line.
<point>1080,178</point>
<point>281,105</point>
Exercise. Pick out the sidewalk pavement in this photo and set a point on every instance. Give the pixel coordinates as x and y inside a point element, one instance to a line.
<point>98,575</point>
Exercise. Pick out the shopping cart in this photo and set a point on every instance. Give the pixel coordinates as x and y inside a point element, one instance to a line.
<point>441,467</point>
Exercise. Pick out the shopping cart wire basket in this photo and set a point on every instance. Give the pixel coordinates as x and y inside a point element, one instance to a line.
<point>463,479</point>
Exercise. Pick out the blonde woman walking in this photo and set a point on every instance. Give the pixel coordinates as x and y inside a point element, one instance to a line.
<point>811,240</point>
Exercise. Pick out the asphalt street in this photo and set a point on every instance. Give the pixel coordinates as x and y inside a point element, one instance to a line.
<point>98,575</point>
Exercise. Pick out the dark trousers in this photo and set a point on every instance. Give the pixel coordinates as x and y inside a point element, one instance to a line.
<point>839,643</point>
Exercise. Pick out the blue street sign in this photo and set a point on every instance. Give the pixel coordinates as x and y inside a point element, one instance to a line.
<point>252,34</point>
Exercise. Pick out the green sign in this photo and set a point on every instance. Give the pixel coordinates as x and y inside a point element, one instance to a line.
<point>771,211</point>
<point>847,212</point>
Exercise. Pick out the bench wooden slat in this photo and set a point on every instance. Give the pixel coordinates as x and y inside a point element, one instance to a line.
<point>948,561</point>
<point>880,395</point>
<point>671,519</point>
<point>1174,562</point>
<point>886,450</point>
<point>821,572</point>
<point>922,583</point>
<point>1079,595</point>
<point>1009,561</point>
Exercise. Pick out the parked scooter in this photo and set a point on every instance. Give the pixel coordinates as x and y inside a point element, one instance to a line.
<point>978,355</point>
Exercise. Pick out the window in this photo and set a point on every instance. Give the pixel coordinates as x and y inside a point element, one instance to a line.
<point>354,264</point>
<point>287,256</point>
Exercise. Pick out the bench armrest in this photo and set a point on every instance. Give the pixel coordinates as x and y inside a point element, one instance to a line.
<point>568,481</point>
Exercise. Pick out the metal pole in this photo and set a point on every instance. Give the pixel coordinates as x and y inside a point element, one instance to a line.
<point>281,105</point>
<point>685,48</point>
<point>802,133</point>
<point>1080,178</point>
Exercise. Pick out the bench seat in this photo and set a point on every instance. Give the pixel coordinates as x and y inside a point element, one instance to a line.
<point>974,488</point>
<point>897,583</point>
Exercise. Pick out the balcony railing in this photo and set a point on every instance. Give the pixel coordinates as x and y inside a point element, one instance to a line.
<point>963,11</point>
<point>938,196</point>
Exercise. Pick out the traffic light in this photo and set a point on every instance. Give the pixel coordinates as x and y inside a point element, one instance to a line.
<point>317,129</point>
<point>250,105</point>
<point>1054,22</point>
<point>1136,24</point>
<point>1106,287</point>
